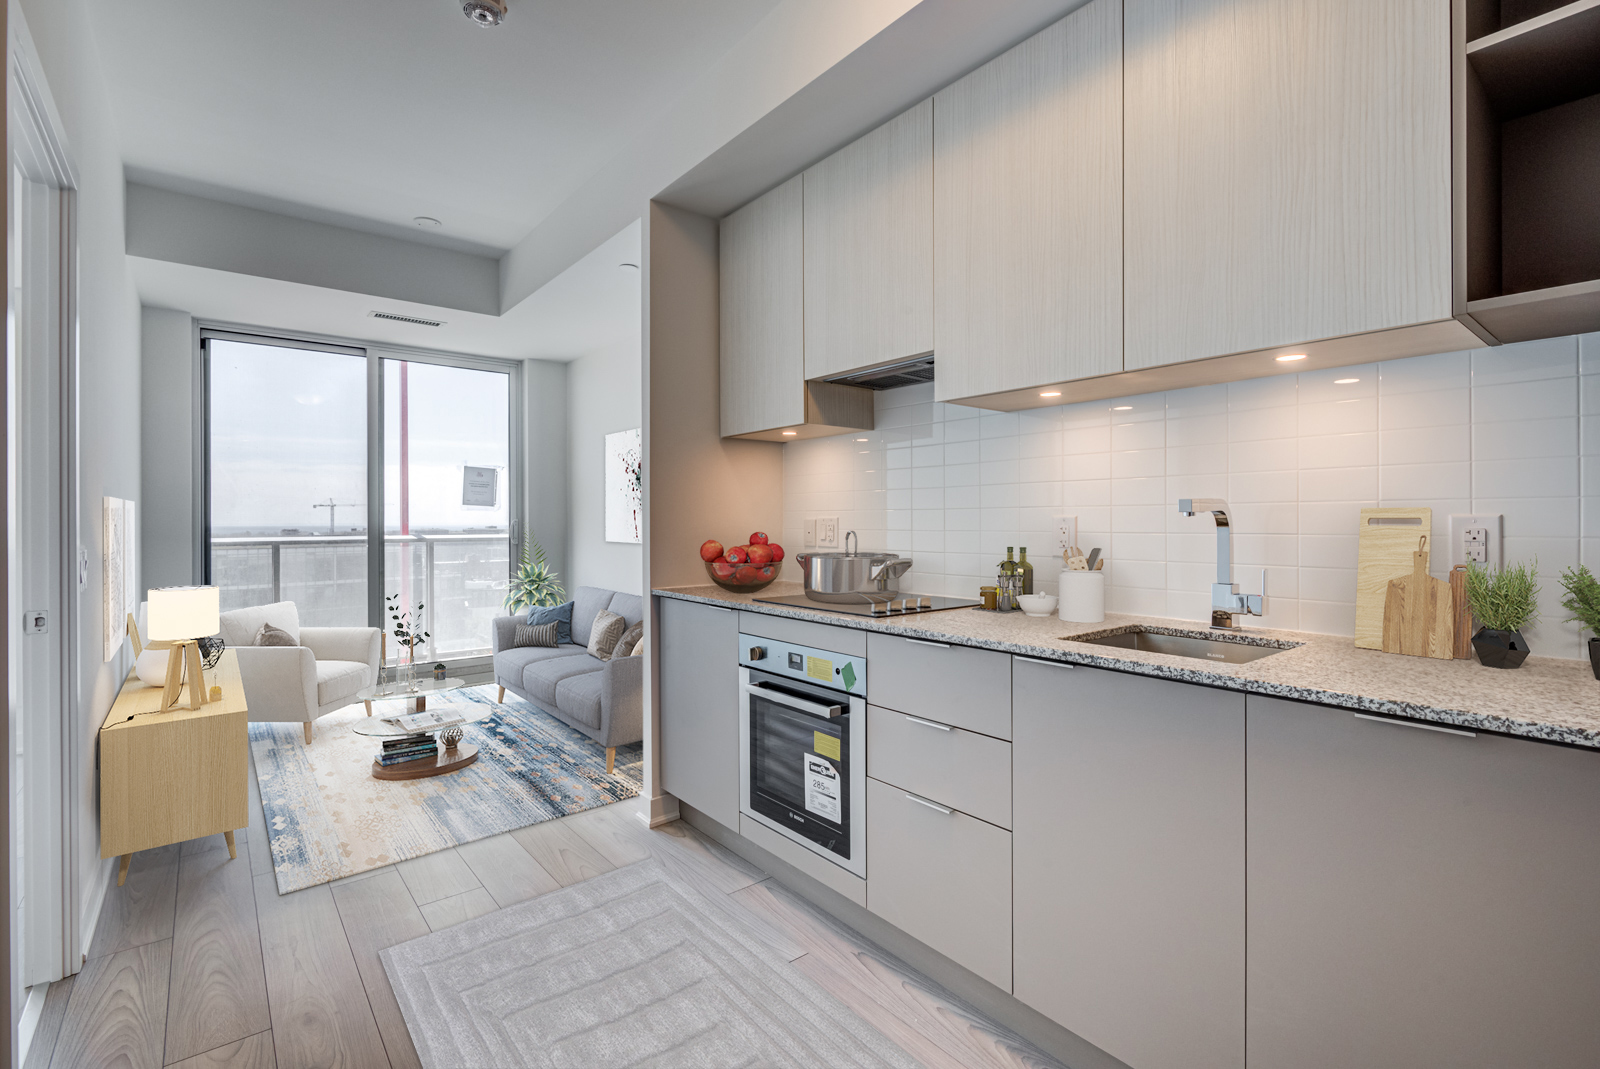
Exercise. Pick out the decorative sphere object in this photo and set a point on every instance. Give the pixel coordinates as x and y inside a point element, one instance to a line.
<point>451,736</point>
<point>151,667</point>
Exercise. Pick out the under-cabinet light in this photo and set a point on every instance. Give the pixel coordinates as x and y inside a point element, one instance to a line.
<point>1290,357</point>
<point>1050,393</point>
<point>1344,382</point>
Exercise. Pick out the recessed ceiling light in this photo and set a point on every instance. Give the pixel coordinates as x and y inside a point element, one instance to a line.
<point>791,432</point>
<point>1122,408</point>
<point>427,221</point>
<point>1344,382</point>
<point>629,267</point>
<point>1291,357</point>
<point>1050,393</point>
<point>485,12</point>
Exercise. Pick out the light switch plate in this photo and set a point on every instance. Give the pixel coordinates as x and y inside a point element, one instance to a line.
<point>1476,538</point>
<point>827,532</point>
<point>36,622</point>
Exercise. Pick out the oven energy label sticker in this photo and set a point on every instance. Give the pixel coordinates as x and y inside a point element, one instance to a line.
<point>826,745</point>
<point>819,668</point>
<point>822,789</point>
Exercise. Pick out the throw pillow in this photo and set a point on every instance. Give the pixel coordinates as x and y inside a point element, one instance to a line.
<point>558,614</point>
<point>535,635</point>
<point>638,649</point>
<point>630,638</point>
<point>268,635</point>
<point>608,628</point>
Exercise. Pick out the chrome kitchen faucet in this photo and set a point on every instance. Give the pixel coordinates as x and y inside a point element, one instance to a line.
<point>1226,601</point>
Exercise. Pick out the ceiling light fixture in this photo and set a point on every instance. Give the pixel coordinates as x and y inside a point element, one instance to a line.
<point>1050,393</point>
<point>427,220</point>
<point>1291,357</point>
<point>1344,382</point>
<point>485,12</point>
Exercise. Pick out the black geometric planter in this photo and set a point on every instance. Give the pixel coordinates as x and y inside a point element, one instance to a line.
<point>1500,649</point>
<point>1594,656</point>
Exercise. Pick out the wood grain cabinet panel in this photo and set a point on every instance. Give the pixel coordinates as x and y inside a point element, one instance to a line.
<point>700,707</point>
<point>1028,212</point>
<point>1128,821</point>
<point>1419,900</point>
<point>1287,172</point>
<point>869,249</point>
<point>761,264</point>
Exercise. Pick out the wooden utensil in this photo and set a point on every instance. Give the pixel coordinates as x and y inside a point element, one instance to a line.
<point>1387,538</point>
<point>1463,612</point>
<point>1419,618</point>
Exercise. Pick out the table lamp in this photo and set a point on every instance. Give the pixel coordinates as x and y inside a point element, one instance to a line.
<point>182,615</point>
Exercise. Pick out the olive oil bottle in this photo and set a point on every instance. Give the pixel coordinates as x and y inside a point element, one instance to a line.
<point>1026,571</point>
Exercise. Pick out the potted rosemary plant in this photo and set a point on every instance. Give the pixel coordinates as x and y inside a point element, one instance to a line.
<point>1583,602</point>
<point>1503,601</point>
<point>535,585</point>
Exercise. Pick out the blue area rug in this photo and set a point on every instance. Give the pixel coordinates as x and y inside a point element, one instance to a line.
<point>327,817</point>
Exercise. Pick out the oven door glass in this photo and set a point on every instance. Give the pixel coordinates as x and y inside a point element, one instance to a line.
<point>800,771</point>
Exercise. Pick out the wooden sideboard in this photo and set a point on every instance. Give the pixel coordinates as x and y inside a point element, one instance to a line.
<point>166,777</point>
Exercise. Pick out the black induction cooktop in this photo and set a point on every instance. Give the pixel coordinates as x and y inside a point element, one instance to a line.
<point>879,605</point>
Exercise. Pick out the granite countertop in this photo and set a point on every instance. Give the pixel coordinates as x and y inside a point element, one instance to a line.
<point>1548,698</point>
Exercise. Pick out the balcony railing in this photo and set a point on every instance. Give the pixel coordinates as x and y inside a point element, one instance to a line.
<point>461,580</point>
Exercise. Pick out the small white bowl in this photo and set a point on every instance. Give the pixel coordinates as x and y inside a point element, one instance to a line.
<point>1037,604</point>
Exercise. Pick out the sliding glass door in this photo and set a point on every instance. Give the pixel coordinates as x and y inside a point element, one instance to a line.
<point>293,475</point>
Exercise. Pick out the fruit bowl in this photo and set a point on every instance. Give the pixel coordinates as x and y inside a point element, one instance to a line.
<point>743,578</point>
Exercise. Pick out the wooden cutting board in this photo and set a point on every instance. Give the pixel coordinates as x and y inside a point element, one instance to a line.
<point>1388,537</point>
<point>1419,616</point>
<point>1463,611</point>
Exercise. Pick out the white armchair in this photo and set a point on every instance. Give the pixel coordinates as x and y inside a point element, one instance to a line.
<point>326,671</point>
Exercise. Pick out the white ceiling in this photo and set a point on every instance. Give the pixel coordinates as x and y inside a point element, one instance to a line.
<point>371,112</point>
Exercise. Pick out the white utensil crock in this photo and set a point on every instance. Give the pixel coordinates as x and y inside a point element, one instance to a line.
<point>1083,597</point>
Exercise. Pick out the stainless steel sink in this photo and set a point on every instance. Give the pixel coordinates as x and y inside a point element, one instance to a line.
<point>1225,650</point>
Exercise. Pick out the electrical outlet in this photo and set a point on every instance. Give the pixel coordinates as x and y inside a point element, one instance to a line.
<point>1067,532</point>
<point>811,532</point>
<point>1475,539</point>
<point>827,532</point>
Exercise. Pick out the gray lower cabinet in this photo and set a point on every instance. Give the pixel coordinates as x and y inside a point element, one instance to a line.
<point>941,876</point>
<point>969,688</point>
<point>964,769</point>
<point>700,707</point>
<point>1419,900</point>
<point>1129,843</point>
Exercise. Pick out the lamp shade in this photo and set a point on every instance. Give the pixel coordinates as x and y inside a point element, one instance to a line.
<point>183,612</point>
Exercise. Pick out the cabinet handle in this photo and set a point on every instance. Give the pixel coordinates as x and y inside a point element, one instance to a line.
<point>930,805</point>
<point>927,723</point>
<point>1416,724</point>
<point>1047,664</point>
<point>926,642</point>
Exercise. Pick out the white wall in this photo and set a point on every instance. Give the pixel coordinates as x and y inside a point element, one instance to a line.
<point>603,395</point>
<point>108,345</point>
<point>544,385</point>
<point>166,512</point>
<point>1513,430</point>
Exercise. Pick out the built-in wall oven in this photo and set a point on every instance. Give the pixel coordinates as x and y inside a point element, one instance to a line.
<point>803,746</point>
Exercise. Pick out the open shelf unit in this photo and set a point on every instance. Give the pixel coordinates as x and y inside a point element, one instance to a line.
<point>1528,80</point>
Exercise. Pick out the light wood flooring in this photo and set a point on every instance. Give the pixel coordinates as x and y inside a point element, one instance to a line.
<point>199,963</point>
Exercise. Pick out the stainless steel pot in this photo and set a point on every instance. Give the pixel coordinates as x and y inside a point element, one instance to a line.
<point>845,577</point>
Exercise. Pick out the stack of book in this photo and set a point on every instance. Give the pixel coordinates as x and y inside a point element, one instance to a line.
<point>408,748</point>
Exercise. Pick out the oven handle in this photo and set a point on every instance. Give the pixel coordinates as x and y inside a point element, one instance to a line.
<point>799,705</point>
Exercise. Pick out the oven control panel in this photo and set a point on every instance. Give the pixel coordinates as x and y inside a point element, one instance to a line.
<point>824,668</point>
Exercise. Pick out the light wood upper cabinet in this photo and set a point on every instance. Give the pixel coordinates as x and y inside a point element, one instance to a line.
<point>869,249</point>
<point>1028,212</point>
<point>1287,172</point>
<point>761,262</point>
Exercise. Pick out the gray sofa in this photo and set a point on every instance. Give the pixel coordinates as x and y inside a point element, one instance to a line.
<point>602,699</point>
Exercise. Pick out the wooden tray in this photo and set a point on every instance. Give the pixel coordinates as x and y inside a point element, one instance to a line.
<point>442,762</point>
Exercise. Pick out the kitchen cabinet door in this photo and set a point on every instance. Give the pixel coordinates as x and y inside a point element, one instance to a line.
<point>1287,172</point>
<point>700,707</point>
<point>1419,900</point>
<point>957,685</point>
<point>1028,212</point>
<point>942,877</point>
<point>761,264</point>
<point>869,249</point>
<point>1128,826</point>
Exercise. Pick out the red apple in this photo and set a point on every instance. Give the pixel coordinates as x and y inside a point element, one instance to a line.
<point>760,554</point>
<point>768,572</point>
<point>722,568</point>
<point>759,538</point>
<point>747,574</point>
<point>777,551</point>
<point>737,555</point>
<point>710,550</point>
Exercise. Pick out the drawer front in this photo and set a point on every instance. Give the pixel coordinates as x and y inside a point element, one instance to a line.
<point>805,633</point>
<point>943,878</point>
<point>952,766</point>
<point>955,685</point>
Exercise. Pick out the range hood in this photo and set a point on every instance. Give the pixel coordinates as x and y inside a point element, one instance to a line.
<point>890,376</point>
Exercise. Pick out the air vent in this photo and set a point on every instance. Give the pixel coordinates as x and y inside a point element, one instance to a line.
<point>891,376</point>
<point>407,319</point>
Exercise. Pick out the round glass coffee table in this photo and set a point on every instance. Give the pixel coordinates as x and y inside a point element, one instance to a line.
<point>381,727</point>
<point>447,759</point>
<point>419,691</point>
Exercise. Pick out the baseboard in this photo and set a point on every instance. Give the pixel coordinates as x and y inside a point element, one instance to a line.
<point>662,809</point>
<point>101,883</point>
<point>956,980</point>
<point>28,1024</point>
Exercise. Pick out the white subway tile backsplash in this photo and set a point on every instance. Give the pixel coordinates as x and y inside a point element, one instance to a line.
<point>1513,430</point>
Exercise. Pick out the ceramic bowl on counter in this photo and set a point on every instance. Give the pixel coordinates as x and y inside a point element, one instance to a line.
<point>1037,604</point>
<point>743,578</point>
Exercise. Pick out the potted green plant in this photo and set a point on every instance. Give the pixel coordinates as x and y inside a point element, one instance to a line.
<point>1583,602</point>
<point>534,585</point>
<point>1504,601</point>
